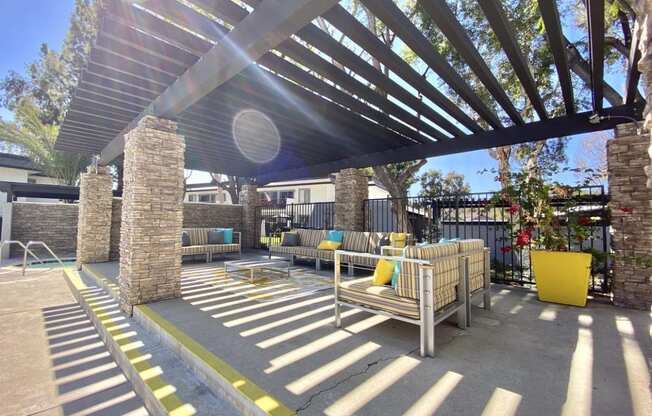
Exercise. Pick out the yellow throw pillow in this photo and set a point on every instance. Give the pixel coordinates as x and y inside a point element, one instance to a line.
<point>383,273</point>
<point>398,240</point>
<point>329,245</point>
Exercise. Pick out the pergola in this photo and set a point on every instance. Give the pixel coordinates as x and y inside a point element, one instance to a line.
<point>201,62</point>
<point>220,85</point>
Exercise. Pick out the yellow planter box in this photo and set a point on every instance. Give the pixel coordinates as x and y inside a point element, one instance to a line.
<point>562,277</point>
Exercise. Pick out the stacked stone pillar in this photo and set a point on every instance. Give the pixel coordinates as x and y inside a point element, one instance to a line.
<point>631,222</point>
<point>643,26</point>
<point>152,213</point>
<point>249,200</point>
<point>351,190</point>
<point>94,224</point>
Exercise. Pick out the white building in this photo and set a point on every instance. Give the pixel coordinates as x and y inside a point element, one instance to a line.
<point>18,168</point>
<point>280,193</point>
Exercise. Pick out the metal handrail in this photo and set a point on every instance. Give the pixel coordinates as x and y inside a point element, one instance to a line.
<point>25,251</point>
<point>41,243</point>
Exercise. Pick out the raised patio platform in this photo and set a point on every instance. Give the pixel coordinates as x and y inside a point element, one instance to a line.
<point>524,357</point>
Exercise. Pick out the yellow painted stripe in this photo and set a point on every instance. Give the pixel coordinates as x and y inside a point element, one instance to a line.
<point>162,390</point>
<point>247,388</point>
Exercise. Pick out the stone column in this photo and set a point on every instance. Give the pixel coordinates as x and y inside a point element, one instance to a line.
<point>94,224</point>
<point>643,26</point>
<point>631,222</point>
<point>249,201</point>
<point>152,213</point>
<point>351,189</point>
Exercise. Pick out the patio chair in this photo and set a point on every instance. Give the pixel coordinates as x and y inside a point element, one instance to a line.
<point>431,287</point>
<point>479,273</point>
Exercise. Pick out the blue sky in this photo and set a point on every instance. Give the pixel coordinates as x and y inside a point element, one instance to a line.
<point>25,24</point>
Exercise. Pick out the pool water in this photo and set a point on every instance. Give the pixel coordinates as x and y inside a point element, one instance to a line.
<point>49,264</point>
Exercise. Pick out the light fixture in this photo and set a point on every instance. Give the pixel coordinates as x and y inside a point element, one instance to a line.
<point>595,118</point>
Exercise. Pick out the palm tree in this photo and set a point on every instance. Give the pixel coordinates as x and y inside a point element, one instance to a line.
<point>37,140</point>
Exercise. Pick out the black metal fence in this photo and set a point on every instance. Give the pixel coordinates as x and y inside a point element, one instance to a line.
<point>477,215</point>
<point>272,220</point>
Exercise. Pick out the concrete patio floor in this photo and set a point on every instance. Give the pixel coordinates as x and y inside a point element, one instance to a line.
<point>52,361</point>
<point>524,357</point>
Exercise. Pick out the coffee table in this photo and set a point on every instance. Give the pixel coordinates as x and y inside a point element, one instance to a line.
<point>252,267</point>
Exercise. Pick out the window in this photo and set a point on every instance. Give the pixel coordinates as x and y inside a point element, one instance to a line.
<point>207,198</point>
<point>283,196</point>
<point>304,196</point>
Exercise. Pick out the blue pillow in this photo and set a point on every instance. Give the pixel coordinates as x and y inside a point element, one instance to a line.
<point>337,236</point>
<point>448,240</point>
<point>397,272</point>
<point>228,235</point>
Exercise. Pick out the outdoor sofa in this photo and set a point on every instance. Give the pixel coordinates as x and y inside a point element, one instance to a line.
<point>353,241</point>
<point>199,244</point>
<point>431,286</point>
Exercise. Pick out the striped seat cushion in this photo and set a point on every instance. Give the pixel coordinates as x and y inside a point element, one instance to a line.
<point>358,261</point>
<point>446,273</point>
<point>475,248</point>
<point>300,251</point>
<point>363,292</point>
<point>355,241</point>
<point>328,255</point>
<point>310,238</point>
<point>210,248</point>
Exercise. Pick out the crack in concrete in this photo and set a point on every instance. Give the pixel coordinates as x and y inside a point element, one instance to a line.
<point>369,365</point>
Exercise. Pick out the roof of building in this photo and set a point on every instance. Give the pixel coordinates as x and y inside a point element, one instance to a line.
<point>9,160</point>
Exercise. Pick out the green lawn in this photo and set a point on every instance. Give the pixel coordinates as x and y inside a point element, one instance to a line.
<point>267,241</point>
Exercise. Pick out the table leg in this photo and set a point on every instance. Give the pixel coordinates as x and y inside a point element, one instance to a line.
<point>251,276</point>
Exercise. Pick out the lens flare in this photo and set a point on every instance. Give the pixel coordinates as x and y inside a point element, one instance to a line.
<point>256,136</point>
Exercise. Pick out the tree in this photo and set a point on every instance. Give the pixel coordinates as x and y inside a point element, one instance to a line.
<point>37,139</point>
<point>50,80</point>
<point>231,184</point>
<point>529,29</point>
<point>591,159</point>
<point>434,183</point>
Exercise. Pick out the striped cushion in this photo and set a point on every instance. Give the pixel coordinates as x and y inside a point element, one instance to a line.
<point>447,277</point>
<point>310,238</point>
<point>358,261</point>
<point>355,241</point>
<point>198,236</point>
<point>408,280</point>
<point>300,251</point>
<point>374,242</point>
<point>475,248</point>
<point>328,255</point>
<point>210,248</point>
<point>363,292</point>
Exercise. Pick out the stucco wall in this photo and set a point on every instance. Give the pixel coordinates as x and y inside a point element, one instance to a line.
<point>53,223</point>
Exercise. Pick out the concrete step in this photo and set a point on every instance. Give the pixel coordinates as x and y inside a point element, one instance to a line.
<point>165,384</point>
<point>222,379</point>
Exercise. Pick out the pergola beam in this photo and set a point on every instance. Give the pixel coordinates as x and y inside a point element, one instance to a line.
<point>444,18</point>
<point>633,74</point>
<point>595,10</point>
<point>540,130</point>
<point>396,20</point>
<point>269,25</point>
<point>504,31</point>
<point>552,24</point>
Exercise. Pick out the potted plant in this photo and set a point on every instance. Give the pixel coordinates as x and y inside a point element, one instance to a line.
<point>551,225</point>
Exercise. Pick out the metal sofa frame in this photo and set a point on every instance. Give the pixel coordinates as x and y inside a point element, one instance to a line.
<point>428,317</point>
